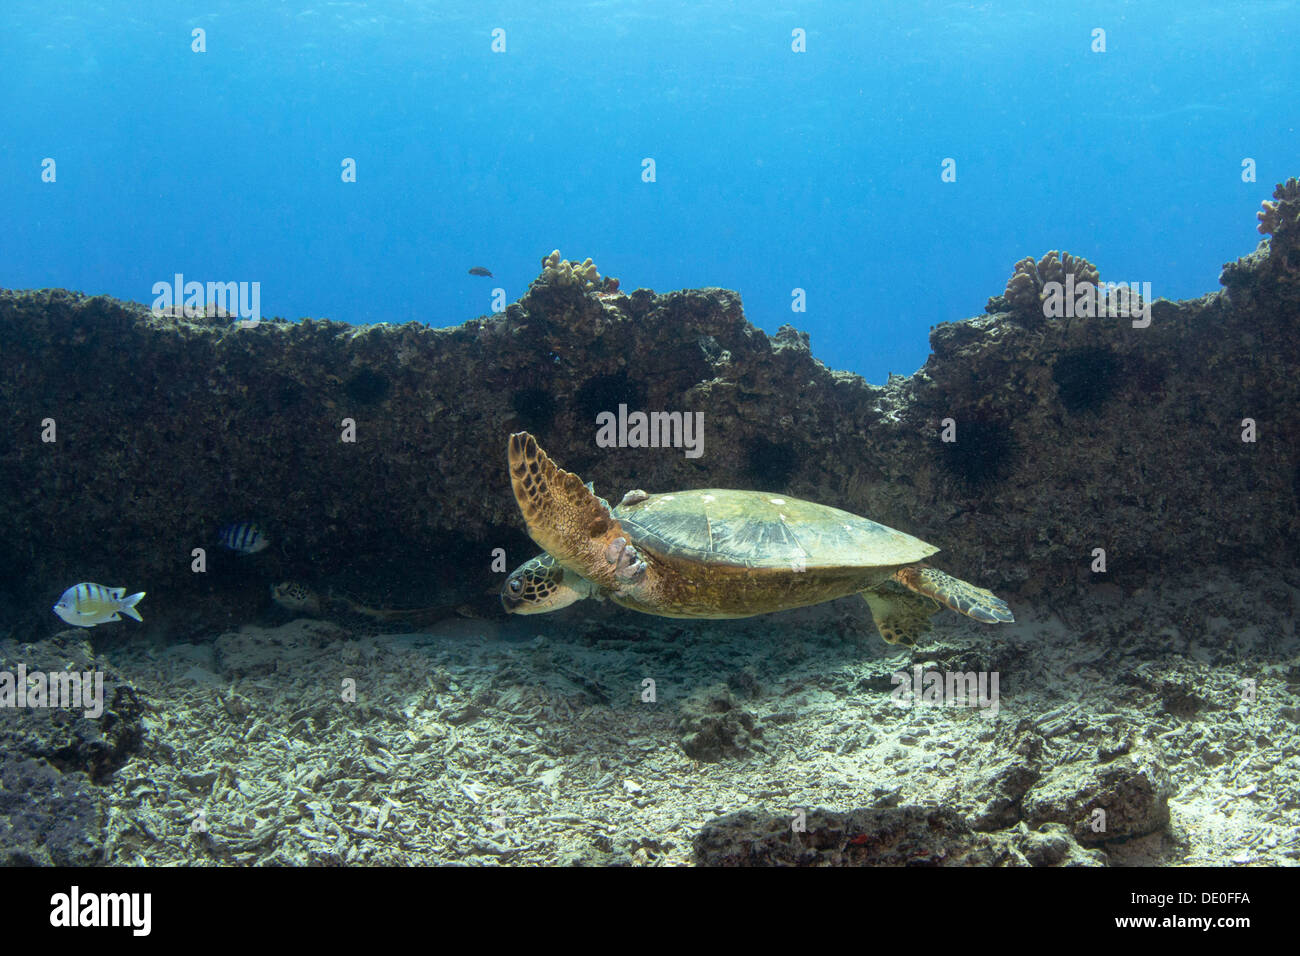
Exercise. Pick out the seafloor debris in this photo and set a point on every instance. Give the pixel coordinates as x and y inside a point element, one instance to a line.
<point>57,765</point>
<point>461,749</point>
<point>96,746</point>
<point>1124,797</point>
<point>714,725</point>
<point>886,836</point>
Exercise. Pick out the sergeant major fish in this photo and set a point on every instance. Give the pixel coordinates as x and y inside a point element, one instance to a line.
<point>86,604</point>
<point>244,537</point>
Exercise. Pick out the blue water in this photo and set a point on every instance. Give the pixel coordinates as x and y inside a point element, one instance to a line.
<point>775,170</point>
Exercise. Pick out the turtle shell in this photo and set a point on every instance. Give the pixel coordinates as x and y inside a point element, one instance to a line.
<point>761,530</point>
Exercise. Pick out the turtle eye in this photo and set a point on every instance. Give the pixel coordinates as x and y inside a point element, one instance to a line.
<point>516,586</point>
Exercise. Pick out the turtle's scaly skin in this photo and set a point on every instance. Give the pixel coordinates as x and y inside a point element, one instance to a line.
<point>543,584</point>
<point>961,596</point>
<point>901,616</point>
<point>717,553</point>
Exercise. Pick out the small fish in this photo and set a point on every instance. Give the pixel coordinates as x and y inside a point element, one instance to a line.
<point>244,537</point>
<point>85,605</point>
<point>480,271</point>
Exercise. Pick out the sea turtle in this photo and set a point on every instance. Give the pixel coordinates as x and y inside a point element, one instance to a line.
<point>714,553</point>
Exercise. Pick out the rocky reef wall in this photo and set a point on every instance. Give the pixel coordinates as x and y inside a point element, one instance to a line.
<point>1072,434</point>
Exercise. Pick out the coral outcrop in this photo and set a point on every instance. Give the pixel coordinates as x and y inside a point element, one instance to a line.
<point>375,456</point>
<point>714,725</point>
<point>1023,296</point>
<point>1280,218</point>
<point>1272,271</point>
<point>583,274</point>
<point>54,758</point>
<point>1280,221</point>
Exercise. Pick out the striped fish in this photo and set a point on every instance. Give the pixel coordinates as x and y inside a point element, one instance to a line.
<point>244,537</point>
<point>85,605</point>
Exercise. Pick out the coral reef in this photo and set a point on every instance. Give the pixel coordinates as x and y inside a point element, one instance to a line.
<point>211,314</point>
<point>984,453</point>
<point>1023,297</point>
<point>581,274</point>
<point>531,743</point>
<point>1280,218</point>
<point>1085,378</point>
<point>1280,221</point>
<point>493,745</point>
<point>253,419</point>
<point>1272,271</point>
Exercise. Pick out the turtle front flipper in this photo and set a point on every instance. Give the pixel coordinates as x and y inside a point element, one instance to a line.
<point>955,594</point>
<point>569,521</point>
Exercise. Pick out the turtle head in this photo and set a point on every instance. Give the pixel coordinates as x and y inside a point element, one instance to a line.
<point>542,585</point>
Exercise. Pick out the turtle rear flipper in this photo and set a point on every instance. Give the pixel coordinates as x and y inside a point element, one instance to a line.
<point>901,616</point>
<point>568,520</point>
<point>956,594</point>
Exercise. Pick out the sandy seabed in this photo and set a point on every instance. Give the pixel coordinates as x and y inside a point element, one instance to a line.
<point>776,740</point>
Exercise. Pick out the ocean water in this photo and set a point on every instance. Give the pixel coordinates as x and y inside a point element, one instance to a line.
<point>322,519</point>
<point>774,170</point>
